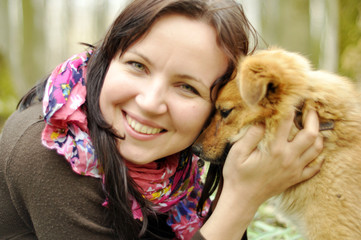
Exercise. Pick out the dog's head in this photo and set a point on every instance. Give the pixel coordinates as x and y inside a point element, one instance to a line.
<point>268,85</point>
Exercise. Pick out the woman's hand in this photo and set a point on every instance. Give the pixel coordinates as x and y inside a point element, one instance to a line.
<point>252,176</point>
<point>286,163</point>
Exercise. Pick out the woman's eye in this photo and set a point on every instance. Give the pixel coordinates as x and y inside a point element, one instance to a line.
<point>189,88</point>
<point>137,66</point>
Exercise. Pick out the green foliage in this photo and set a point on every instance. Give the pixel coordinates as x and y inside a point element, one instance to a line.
<point>350,38</point>
<point>8,98</point>
<point>268,225</point>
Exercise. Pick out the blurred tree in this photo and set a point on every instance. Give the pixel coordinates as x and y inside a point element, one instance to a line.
<point>8,98</point>
<point>32,47</point>
<point>350,39</point>
<point>36,35</point>
<point>286,24</point>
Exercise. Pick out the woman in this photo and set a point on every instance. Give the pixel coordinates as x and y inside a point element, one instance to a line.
<point>113,158</point>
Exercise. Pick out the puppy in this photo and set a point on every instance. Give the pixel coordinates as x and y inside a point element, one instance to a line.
<point>268,86</point>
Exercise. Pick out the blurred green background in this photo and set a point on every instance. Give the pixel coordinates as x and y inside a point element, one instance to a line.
<point>37,35</point>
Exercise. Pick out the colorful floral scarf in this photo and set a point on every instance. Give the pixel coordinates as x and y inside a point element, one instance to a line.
<point>173,185</point>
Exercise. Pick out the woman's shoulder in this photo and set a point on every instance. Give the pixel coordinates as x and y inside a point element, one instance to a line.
<point>20,121</point>
<point>42,185</point>
<point>17,128</point>
<point>20,145</point>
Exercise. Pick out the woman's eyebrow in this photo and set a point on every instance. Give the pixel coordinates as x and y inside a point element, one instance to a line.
<point>145,58</point>
<point>189,77</point>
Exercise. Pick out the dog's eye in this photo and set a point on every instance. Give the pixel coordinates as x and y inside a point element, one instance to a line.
<point>225,112</point>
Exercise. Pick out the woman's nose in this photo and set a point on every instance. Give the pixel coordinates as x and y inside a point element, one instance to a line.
<point>152,98</point>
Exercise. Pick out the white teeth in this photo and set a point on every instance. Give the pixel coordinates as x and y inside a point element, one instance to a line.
<point>142,128</point>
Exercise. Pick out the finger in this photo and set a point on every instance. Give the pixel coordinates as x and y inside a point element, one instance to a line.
<point>312,170</point>
<point>249,141</point>
<point>312,152</point>
<point>307,136</point>
<point>312,121</point>
<point>284,128</point>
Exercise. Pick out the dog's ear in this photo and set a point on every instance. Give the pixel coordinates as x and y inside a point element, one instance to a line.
<point>255,83</point>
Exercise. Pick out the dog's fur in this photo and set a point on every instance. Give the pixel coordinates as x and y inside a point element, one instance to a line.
<point>268,86</point>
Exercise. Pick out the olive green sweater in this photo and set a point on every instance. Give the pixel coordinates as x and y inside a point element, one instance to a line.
<point>40,196</point>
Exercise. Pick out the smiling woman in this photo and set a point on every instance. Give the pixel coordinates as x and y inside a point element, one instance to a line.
<point>102,148</point>
<point>163,91</point>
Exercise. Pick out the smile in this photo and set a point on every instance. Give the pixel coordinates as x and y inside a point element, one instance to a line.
<point>140,128</point>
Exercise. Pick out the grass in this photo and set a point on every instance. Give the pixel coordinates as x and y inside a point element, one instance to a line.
<point>268,225</point>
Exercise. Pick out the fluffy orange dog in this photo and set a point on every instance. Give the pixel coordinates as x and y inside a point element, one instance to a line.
<point>269,85</point>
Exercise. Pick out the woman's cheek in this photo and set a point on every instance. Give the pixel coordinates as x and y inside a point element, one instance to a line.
<point>197,116</point>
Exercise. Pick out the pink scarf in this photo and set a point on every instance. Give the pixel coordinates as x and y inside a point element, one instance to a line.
<point>173,185</point>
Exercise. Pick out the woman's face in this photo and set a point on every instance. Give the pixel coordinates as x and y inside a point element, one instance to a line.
<point>156,94</point>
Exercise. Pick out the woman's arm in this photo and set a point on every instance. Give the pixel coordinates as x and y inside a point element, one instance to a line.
<point>53,201</point>
<point>251,176</point>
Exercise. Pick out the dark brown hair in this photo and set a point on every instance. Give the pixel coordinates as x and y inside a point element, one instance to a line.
<point>233,32</point>
<point>233,35</point>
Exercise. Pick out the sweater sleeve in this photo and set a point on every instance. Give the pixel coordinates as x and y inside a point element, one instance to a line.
<point>50,198</point>
<point>198,236</point>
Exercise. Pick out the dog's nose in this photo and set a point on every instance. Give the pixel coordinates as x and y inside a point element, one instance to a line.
<point>197,149</point>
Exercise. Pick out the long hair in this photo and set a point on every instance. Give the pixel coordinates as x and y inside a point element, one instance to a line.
<point>233,36</point>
